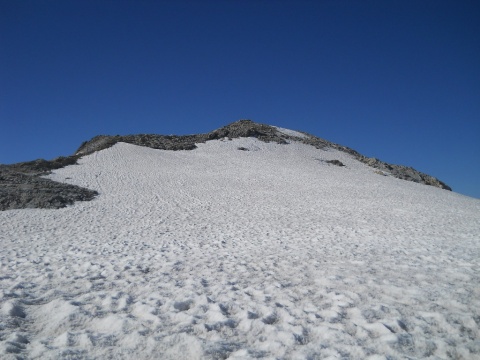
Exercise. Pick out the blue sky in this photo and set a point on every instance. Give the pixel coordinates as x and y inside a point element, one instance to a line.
<point>396,80</point>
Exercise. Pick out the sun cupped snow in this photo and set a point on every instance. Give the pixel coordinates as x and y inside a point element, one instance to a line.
<point>270,252</point>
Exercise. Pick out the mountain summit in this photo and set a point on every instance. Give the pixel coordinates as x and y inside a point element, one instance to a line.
<point>249,242</point>
<point>22,186</point>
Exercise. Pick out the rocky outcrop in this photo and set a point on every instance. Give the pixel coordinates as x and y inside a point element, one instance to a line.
<point>21,191</point>
<point>403,172</point>
<point>238,129</point>
<point>21,185</point>
<point>335,162</point>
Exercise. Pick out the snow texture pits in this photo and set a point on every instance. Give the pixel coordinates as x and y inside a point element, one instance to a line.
<point>218,253</point>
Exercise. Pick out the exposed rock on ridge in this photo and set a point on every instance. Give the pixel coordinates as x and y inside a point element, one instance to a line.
<point>238,129</point>
<point>267,133</point>
<point>22,187</point>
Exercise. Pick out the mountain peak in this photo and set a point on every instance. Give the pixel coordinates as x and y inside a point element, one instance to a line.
<point>23,186</point>
<point>263,132</point>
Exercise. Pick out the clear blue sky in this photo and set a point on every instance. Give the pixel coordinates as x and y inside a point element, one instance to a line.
<point>396,80</point>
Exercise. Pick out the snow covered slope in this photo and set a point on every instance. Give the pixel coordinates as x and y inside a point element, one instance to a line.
<point>218,253</point>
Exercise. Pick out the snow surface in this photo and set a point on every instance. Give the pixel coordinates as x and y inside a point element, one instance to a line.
<point>291,132</point>
<point>218,253</point>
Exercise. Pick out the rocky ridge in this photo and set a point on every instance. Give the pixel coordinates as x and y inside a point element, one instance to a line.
<point>21,185</point>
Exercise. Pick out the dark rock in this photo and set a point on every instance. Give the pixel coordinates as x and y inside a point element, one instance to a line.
<point>41,166</point>
<point>22,187</point>
<point>23,190</point>
<point>241,128</point>
<point>335,162</point>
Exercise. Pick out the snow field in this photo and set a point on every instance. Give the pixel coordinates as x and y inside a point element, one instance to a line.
<point>218,253</point>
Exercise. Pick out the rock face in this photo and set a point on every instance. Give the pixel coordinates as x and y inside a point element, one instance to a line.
<point>22,187</point>
<point>20,191</point>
